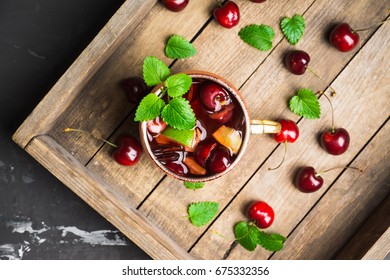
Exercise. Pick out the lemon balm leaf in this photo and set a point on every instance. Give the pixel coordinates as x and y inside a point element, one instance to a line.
<point>179,47</point>
<point>258,36</point>
<point>246,235</point>
<point>293,28</point>
<point>149,108</point>
<point>194,185</point>
<point>201,213</point>
<point>179,114</point>
<point>305,104</point>
<point>271,241</point>
<point>178,84</point>
<point>154,71</point>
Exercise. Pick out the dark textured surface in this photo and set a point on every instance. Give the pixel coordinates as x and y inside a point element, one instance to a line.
<point>40,218</point>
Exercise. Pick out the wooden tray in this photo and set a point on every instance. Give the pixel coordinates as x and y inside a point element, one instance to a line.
<point>148,206</point>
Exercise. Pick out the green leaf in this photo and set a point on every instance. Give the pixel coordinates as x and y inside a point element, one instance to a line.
<point>184,137</point>
<point>154,71</point>
<point>179,48</point>
<point>178,114</point>
<point>149,108</point>
<point>305,103</point>
<point>246,235</point>
<point>200,213</point>
<point>271,242</point>
<point>178,84</point>
<point>194,185</point>
<point>293,28</point>
<point>258,36</point>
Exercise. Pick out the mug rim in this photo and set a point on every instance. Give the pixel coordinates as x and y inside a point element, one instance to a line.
<point>237,95</point>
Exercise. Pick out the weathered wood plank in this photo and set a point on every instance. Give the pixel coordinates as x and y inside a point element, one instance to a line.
<point>362,89</point>
<point>372,239</point>
<point>68,87</point>
<point>271,103</point>
<point>100,196</point>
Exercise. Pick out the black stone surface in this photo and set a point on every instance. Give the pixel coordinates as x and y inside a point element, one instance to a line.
<point>40,218</point>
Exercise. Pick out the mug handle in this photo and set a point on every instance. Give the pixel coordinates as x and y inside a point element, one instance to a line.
<point>264,126</point>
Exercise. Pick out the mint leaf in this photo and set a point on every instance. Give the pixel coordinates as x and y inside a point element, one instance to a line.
<point>178,114</point>
<point>200,213</point>
<point>179,48</point>
<point>258,36</point>
<point>292,28</point>
<point>271,242</point>
<point>149,108</point>
<point>178,84</point>
<point>194,185</point>
<point>305,103</point>
<point>154,71</point>
<point>246,235</point>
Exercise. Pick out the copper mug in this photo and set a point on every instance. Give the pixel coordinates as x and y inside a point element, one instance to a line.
<point>250,127</point>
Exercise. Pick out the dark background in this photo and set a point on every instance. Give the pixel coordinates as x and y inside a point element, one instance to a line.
<point>40,218</point>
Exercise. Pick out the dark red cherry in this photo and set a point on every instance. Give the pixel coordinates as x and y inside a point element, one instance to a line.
<point>135,89</point>
<point>296,61</point>
<point>224,115</point>
<point>177,167</point>
<point>307,180</point>
<point>213,96</point>
<point>227,15</point>
<point>203,151</point>
<point>336,141</point>
<point>261,213</point>
<point>175,5</point>
<point>289,132</point>
<point>128,151</point>
<point>220,160</point>
<point>344,38</point>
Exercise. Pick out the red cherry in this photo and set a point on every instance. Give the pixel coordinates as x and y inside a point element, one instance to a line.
<point>175,5</point>
<point>227,15</point>
<point>128,151</point>
<point>225,115</point>
<point>214,97</point>
<point>336,141</point>
<point>261,213</point>
<point>177,167</point>
<point>135,89</point>
<point>203,151</point>
<point>156,126</point>
<point>296,61</point>
<point>344,38</point>
<point>288,133</point>
<point>307,180</point>
<point>220,160</point>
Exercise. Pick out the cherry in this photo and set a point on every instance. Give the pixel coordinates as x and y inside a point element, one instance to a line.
<point>261,213</point>
<point>213,96</point>
<point>203,151</point>
<point>128,152</point>
<point>135,89</point>
<point>296,61</point>
<point>227,15</point>
<point>175,5</point>
<point>335,141</point>
<point>307,180</point>
<point>344,38</point>
<point>177,167</point>
<point>156,126</point>
<point>289,133</point>
<point>224,115</point>
<point>220,160</point>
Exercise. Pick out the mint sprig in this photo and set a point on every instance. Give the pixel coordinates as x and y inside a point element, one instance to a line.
<point>201,213</point>
<point>179,47</point>
<point>177,112</point>
<point>258,36</point>
<point>194,185</point>
<point>249,236</point>
<point>305,104</point>
<point>293,28</point>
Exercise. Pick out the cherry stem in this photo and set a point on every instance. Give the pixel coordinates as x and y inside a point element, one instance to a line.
<point>373,26</point>
<point>68,129</point>
<point>217,233</point>
<point>331,106</point>
<point>318,174</point>
<point>314,73</point>
<point>219,2</point>
<point>284,156</point>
